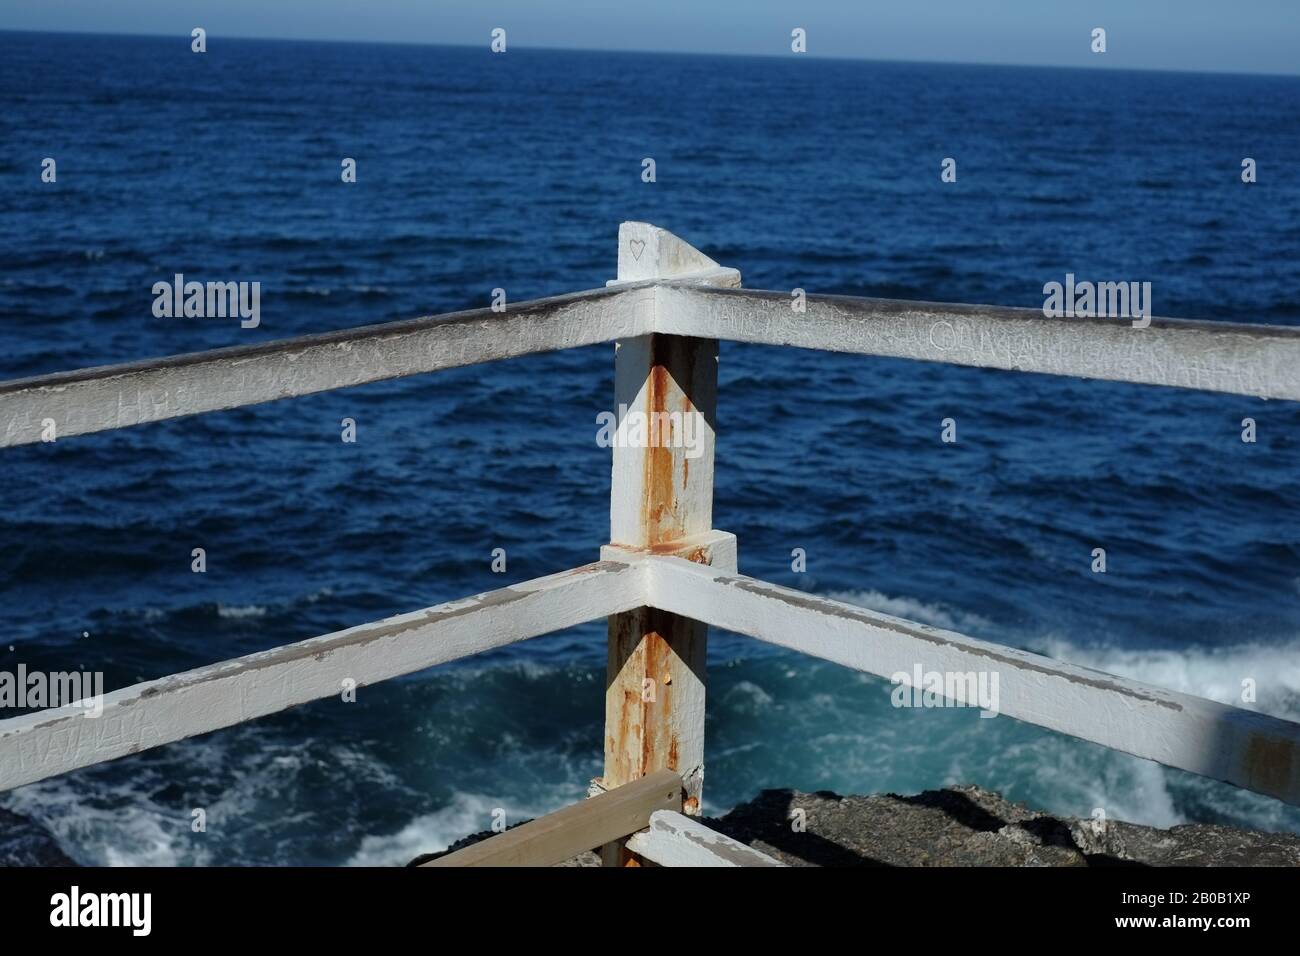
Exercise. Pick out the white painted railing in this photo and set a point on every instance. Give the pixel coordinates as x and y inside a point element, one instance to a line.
<point>668,574</point>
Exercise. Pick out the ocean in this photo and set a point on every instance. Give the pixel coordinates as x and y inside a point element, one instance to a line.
<point>477,171</point>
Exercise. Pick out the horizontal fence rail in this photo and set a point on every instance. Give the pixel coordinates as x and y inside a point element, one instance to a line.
<point>142,716</point>
<point>1257,360</point>
<point>118,396</point>
<point>1241,747</point>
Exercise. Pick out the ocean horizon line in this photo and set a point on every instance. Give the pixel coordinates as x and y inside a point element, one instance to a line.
<point>699,54</point>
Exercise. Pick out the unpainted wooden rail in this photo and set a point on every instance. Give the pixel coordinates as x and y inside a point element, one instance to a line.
<point>579,827</point>
<point>668,573</point>
<point>644,812</point>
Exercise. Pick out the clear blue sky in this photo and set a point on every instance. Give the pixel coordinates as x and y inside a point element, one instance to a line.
<point>1201,35</point>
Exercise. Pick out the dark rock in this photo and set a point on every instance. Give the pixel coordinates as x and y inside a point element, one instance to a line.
<point>967,826</point>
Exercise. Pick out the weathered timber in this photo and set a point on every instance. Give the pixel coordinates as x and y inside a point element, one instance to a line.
<point>117,396</point>
<point>661,492</point>
<point>142,716</point>
<point>1241,747</point>
<point>576,828</point>
<point>1243,359</point>
<point>667,574</point>
<point>677,840</point>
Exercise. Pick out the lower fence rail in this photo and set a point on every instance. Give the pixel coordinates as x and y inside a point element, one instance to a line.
<point>51,742</point>
<point>1241,747</point>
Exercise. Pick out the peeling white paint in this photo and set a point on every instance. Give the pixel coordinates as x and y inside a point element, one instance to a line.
<point>1243,359</point>
<point>118,396</point>
<point>51,742</point>
<point>676,840</point>
<point>1241,747</point>
<point>672,289</point>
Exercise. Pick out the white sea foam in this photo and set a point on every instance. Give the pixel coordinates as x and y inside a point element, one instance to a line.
<point>1212,672</point>
<point>747,696</point>
<point>835,739</point>
<point>104,818</point>
<point>99,825</point>
<point>1215,673</point>
<point>1081,779</point>
<point>467,813</point>
<point>1068,776</point>
<point>240,611</point>
<point>432,832</point>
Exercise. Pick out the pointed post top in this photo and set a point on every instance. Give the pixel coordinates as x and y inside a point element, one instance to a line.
<point>647,251</point>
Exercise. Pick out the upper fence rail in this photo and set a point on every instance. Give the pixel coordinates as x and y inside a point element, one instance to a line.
<point>1261,361</point>
<point>118,396</point>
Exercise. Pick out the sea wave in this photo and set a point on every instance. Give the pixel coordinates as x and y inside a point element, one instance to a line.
<point>1263,676</point>
<point>1216,673</point>
<point>465,814</point>
<point>934,614</point>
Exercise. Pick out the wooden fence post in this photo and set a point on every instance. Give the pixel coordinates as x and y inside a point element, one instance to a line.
<point>661,494</point>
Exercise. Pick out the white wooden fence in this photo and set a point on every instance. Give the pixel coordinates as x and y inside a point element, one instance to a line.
<point>667,573</point>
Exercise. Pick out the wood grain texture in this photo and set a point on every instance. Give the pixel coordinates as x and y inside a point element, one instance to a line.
<point>576,828</point>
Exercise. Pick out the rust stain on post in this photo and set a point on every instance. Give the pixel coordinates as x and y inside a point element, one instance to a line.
<point>644,653</point>
<point>660,508</point>
<point>679,369</point>
<point>654,657</point>
<point>662,494</point>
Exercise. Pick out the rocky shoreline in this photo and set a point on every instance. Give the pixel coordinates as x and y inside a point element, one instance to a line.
<point>956,826</point>
<point>967,826</point>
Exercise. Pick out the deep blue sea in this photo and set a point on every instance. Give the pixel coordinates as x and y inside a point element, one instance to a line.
<point>477,171</point>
